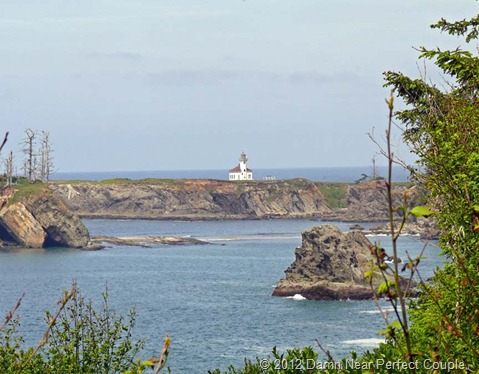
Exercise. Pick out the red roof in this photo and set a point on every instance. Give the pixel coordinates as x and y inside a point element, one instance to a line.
<point>237,169</point>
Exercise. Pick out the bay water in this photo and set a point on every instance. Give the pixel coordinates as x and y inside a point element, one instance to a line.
<point>213,300</point>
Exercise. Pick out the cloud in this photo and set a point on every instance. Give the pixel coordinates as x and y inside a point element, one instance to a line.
<point>192,77</point>
<point>120,55</point>
<point>212,77</point>
<point>51,16</point>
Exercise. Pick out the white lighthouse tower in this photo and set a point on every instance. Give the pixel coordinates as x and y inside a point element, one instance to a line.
<point>241,172</point>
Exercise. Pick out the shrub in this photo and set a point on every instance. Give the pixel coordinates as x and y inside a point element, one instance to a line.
<point>78,339</point>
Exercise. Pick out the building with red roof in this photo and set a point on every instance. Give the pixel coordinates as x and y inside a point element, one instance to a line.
<point>241,172</point>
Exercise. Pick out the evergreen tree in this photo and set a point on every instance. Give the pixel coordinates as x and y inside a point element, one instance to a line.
<point>442,128</point>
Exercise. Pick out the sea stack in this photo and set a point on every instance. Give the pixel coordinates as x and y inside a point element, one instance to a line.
<point>329,265</point>
<point>41,220</point>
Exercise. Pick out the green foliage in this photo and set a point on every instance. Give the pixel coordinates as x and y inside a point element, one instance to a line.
<point>420,211</point>
<point>24,188</point>
<point>391,329</point>
<point>293,361</point>
<point>88,340</point>
<point>116,181</point>
<point>467,28</point>
<point>384,287</point>
<point>164,182</point>
<point>441,127</point>
<point>384,359</point>
<point>78,339</point>
<point>334,193</point>
<point>10,347</point>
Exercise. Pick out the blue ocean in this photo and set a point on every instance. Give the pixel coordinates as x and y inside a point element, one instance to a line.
<point>214,300</point>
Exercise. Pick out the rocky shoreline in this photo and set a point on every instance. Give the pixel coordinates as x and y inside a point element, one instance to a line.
<point>425,228</point>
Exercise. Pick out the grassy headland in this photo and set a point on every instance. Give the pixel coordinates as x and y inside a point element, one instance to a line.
<point>24,188</point>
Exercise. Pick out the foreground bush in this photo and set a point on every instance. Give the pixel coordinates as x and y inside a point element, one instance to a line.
<point>78,339</point>
<point>384,359</point>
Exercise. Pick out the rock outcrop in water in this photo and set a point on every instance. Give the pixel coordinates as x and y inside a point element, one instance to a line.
<point>193,199</point>
<point>41,220</point>
<point>329,265</point>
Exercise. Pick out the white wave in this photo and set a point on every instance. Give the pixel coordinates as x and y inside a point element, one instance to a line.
<point>371,342</point>
<point>376,311</point>
<point>388,309</point>
<point>384,235</point>
<point>297,297</point>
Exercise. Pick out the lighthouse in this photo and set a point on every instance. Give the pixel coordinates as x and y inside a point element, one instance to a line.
<point>241,172</point>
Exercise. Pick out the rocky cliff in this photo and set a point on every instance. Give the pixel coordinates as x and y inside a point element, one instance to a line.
<point>368,201</point>
<point>41,220</point>
<point>193,199</point>
<point>329,265</point>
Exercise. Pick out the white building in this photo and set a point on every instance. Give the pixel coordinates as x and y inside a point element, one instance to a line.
<point>241,172</point>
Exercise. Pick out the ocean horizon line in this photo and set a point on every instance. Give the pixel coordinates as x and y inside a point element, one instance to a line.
<point>318,174</point>
<point>217,169</point>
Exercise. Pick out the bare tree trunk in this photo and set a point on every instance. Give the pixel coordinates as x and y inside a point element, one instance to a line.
<point>46,159</point>
<point>28,150</point>
<point>9,169</point>
<point>35,168</point>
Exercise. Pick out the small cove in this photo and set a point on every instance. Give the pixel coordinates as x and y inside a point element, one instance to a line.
<point>214,301</point>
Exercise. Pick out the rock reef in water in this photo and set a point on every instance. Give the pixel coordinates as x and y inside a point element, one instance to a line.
<point>147,241</point>
<point>41,220</point>
<point>193,199</point>
<point>329,265</point>
<point>426,228</point>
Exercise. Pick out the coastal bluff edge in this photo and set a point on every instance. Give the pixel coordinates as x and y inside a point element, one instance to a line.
<point>193,199</point>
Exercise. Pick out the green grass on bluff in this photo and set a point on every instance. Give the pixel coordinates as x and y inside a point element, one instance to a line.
<point>24,188</point>
<point>334,193</point>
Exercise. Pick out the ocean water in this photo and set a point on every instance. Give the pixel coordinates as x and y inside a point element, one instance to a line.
<point>214,300</point>
<point>331,174</point>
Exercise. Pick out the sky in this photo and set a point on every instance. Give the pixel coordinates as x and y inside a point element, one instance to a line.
<point>129,85</point>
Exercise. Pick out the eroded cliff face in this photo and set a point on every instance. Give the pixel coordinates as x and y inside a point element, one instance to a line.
<point>368,201</point>
<point>329,265</point>
<point>193,199</point>
<point>20,227</point>
<point>42,220</point>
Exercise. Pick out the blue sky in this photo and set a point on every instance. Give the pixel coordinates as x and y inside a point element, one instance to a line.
<point>155,84</point>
